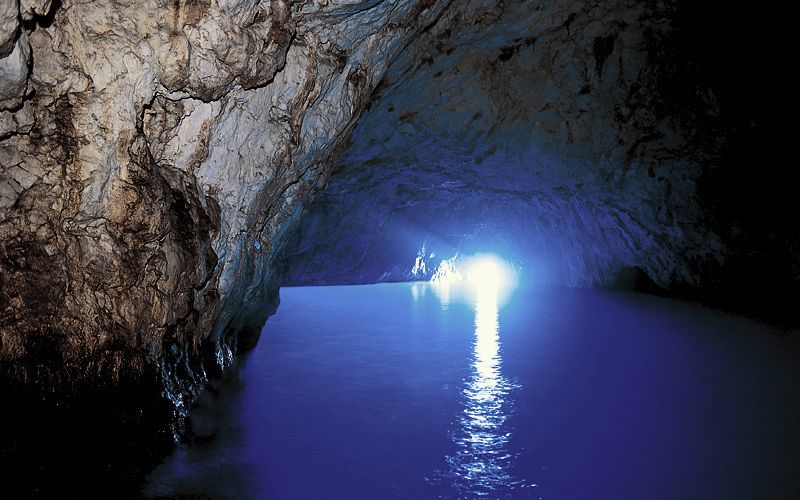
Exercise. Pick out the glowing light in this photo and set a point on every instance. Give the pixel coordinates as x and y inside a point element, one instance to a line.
<point>485,272</point>
<point>480,273</point>
<point>418,290</point>
<point>481,465</point>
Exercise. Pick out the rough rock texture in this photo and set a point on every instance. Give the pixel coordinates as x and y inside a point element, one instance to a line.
<point>584,141</point>
<point>153,156</point>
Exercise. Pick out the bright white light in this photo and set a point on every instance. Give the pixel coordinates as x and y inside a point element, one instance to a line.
<point>481,464</point>
<point>487,347</point>
<point>485,272</point>
<point>473,276</point>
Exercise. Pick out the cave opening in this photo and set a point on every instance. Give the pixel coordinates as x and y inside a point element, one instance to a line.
<point>499,199</point>
<point>522,249</point>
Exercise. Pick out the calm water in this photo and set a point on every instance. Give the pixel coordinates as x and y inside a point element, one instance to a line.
<point>412,391</point>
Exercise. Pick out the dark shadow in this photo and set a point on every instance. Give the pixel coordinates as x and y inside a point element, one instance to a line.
<point>97,445</point>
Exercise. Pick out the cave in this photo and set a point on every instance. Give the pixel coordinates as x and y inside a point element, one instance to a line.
<point>397,249</point>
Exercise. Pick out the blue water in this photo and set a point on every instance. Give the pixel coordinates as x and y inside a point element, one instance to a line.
<point>410,391</point>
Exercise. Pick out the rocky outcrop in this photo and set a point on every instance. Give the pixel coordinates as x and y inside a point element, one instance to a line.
<point>154,157</point>
<point>586,142</point>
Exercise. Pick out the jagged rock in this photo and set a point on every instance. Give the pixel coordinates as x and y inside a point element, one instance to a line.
<point>31,9</point>
<point>162,154</point>
<point>9,24</point>
<point>14,74</point>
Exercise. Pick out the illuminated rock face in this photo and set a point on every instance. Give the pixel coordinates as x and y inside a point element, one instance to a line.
<point>583,141</point>
<point>154,156</point>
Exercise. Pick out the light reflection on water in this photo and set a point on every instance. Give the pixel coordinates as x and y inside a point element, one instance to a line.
<point>481,462</point>
<point>380,392</point>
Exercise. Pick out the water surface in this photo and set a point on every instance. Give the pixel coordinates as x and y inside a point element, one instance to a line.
<point>413,391</point>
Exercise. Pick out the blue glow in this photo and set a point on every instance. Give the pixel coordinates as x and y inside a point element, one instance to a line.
<point>362,392</point>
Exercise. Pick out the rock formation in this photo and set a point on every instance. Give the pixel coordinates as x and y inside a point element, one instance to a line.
<point>154,156</point>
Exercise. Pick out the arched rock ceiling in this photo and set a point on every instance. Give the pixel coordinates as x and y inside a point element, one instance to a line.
<point>544,131</point>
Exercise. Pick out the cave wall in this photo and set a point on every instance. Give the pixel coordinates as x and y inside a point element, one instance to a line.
<point>154,155</point>
<point>589,143</point>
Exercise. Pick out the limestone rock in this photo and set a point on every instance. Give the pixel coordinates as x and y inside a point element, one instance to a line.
<point>151,168</point>
<point>9,25</point>
<point>537,131</point>
<point>31,9</point>
<point>14,74</point>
